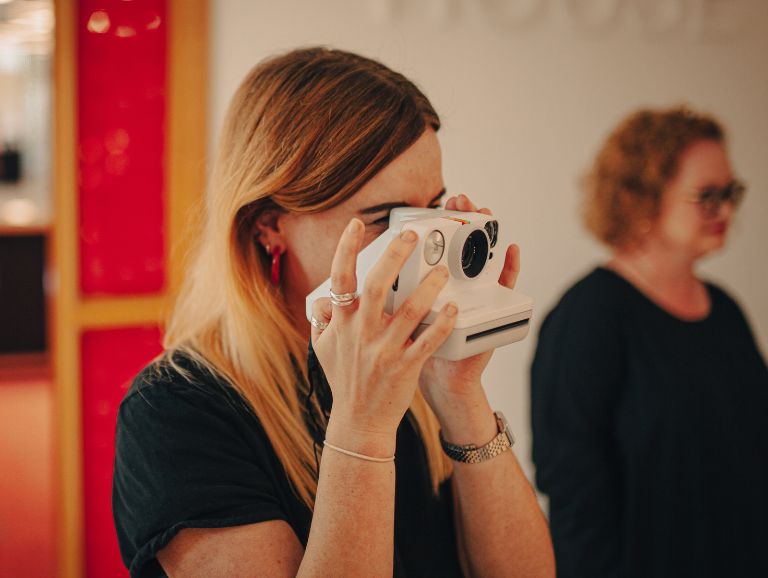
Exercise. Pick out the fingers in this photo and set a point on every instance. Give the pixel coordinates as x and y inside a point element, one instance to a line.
<point>511,268</point>
<point>433,337</point>
<point>462,203</point>
<point>383,275</point>
<point>321,315</point>
<point>417,305</point>
<point>343,276</point>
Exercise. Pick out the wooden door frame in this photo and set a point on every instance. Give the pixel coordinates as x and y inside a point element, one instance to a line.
<point>71,313</point>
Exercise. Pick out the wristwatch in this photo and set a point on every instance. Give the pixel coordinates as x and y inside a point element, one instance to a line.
<point>472,454</point>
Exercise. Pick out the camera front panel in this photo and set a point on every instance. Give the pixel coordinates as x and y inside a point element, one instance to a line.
<point>461,242</point>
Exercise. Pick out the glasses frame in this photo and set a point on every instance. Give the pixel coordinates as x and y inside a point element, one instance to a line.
<point>710,199</point>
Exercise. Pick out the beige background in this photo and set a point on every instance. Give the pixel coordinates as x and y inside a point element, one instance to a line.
<point>527,90</point>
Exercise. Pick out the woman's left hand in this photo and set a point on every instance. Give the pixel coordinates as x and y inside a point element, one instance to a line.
<point>450,385</point>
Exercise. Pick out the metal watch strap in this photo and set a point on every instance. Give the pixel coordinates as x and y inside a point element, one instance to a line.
<point>472,454</point>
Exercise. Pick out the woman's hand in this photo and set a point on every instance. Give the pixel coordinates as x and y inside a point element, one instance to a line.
<point>449,386</point>
<point>368,356</point>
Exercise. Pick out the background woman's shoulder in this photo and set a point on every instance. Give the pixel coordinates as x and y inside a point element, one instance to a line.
<point>721,297</point>
<point>730,318</point>
<point>599,294</point>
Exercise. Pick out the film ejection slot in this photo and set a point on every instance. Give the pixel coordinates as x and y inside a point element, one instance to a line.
<point>498,329</point>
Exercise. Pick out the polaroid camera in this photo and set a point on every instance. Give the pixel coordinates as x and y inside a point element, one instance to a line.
<point>489,315</point>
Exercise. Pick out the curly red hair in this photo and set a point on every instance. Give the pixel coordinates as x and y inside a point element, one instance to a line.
<point>635,164</point>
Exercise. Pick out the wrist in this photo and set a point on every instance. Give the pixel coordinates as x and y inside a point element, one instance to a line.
<point>478,431</point>
<point>360,439</point>
<point>467,418</point>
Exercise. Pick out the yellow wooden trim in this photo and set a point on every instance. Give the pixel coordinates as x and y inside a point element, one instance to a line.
<point>121,311</point>
<point>65,342</point>
<point>187,122</point>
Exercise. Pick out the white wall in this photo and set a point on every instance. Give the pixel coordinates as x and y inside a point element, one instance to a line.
<point>527,90</point>
<point>25,119</point>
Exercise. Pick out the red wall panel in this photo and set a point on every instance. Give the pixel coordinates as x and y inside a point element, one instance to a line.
<point>121,131</point>
<point>110,360</point>
<point>122,85</point>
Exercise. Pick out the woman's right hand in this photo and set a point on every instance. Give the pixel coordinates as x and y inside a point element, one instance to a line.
<point>368,356</point>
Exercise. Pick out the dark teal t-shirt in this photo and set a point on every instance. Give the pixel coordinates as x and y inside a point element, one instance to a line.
<point>193,455</point>
<point>650,436</point>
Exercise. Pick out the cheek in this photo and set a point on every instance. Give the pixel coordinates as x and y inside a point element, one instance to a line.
<point>679,225</point>
<point>315,253</point>
<point>313,245</point>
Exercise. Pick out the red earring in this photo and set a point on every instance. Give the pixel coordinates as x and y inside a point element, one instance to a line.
<point>277,262</point>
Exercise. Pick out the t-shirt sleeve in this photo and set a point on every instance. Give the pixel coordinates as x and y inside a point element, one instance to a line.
<point>575,382</point>
<point>181,461</point>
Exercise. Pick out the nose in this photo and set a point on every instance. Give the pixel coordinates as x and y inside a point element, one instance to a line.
<point>726,210</point>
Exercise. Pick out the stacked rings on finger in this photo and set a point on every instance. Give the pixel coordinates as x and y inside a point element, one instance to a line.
<point>344,299</point>
<point>318,324</point>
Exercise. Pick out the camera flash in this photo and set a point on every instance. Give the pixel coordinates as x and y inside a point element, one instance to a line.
<point>434,245</point>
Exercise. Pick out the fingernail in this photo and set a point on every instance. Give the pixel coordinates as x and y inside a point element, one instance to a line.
<point>408,236</point>
<point>451,310</point>
<point>442,270</point>
<point>353,225</point>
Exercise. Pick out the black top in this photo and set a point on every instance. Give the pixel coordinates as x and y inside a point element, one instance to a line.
<point>651,436</point>
<point>194,456</point>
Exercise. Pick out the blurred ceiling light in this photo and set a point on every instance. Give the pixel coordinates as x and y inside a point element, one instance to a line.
<point>154,24</point>
<point>117,141</point>
<point>10,60</point>
<point>98,23</point>
<point>125,31</point>
<point>18,212</point>
<point>26,27</point>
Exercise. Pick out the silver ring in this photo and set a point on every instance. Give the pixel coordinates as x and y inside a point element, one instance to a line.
<point>318,324</point>
<point>344,299</point>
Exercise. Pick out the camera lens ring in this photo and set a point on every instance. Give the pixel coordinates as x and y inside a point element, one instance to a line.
<point>474,253</point>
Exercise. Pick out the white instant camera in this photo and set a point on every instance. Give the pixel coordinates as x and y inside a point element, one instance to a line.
<point>490,315</point>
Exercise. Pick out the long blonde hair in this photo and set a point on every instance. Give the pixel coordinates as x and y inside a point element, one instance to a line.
<point>303,133</point>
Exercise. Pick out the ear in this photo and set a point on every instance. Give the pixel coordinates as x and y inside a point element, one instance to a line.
<point>268,232</point>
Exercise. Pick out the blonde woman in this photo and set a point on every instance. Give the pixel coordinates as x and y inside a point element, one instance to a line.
<point>238,454</point>
<point>649,393</point>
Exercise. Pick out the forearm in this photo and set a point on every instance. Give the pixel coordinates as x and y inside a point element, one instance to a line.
<point>352,532</point>
<point>502,529</point>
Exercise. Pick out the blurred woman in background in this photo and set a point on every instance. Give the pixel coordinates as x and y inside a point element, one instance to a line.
<point>649,393</point>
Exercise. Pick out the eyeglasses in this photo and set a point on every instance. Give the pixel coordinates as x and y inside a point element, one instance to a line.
<point>710,199</point>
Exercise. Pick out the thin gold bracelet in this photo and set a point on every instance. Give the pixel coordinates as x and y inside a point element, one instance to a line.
<point>356,455</point>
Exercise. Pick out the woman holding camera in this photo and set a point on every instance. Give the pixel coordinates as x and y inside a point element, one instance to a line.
<point>649,394</point>
<point>240,455</point>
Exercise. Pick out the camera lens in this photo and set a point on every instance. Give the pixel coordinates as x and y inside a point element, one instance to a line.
<point>474,253</point>
<point>492,228</point>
